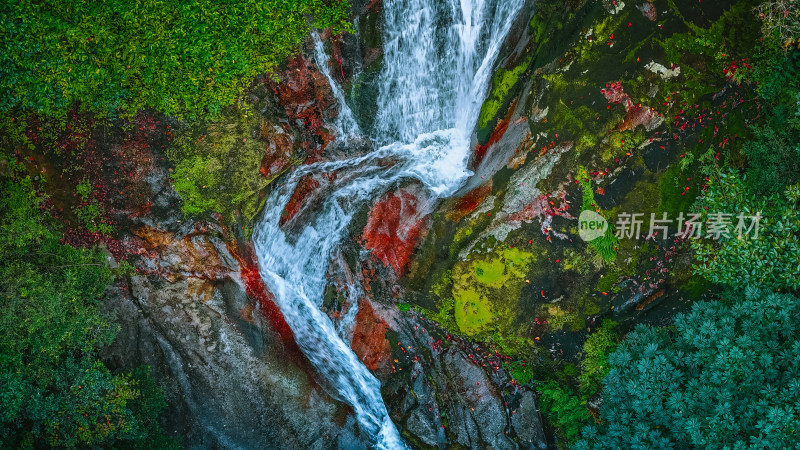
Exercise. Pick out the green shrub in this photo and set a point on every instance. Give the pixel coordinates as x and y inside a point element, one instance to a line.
<point>771,259</point>
<point>728,376</point>
<point>566,408</point>
<point>187,59</point>
<point>595,357</point>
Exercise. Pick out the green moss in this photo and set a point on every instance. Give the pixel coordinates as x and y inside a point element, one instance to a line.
<point>672,185</point>
<point>504,80</point>
<point>557,317</point>
<point>490,273</point>
<point>510,344</point>
<point>482,291</point>
<point>608,280</point>
<point>473,312</point>
<point>577,261</point>
<point>446,280</point>
<point>217,169</point>
<point>465,231</point>
<point>538,28</point>
<point>586,142</point>
<point>517,259</point>
<point>444,316</point>
<point>600,33</point>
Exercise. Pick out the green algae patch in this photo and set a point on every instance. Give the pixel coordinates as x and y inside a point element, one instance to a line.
<point>490,273</point>
<point>573,317</point>
<point>473,312</point>
<point>496,272</point>
<point>517,261</point>
<point>504,80</point>
<point>484,290</point>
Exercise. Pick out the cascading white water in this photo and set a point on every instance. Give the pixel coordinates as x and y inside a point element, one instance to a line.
<point>438,57</point>
<point>344,121</point>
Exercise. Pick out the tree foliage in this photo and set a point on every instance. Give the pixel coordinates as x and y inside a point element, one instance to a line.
<point>726,376</point>
<point>773,152</point>
<point>180,58</point>
<point>780,20</point>
<point>54,390</point>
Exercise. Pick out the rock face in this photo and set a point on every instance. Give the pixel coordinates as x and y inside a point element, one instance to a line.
<point>229,384</point>
<point>447,392</point>
<point>232,374</point>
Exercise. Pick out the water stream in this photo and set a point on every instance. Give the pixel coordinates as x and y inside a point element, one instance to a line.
<point>438,56</point>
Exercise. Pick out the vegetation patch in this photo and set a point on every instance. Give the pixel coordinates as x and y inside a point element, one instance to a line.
<point>182,59</point>
<point>217,169</point>
<point>502,83</point>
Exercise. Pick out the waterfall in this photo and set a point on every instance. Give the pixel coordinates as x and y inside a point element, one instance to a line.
<point>437,61</point>
<point>345,122</point>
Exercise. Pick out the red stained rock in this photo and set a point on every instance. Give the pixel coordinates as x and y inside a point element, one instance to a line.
<point>305,95</point>
<point>256,289</point>
<point>395,224</point>
<point>497,134</point>
<point>307,187</point>
<point>265,301</point>
<point>191,256</point>
<point>640,115</point>
<point>279,150</point>
<point>369,339</point>
<point>544,208</point>
<point>469,202</point>
<point>636,114</point>
<point>614,94</point>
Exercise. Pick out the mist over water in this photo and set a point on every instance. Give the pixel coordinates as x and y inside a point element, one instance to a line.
<point>438,56</point>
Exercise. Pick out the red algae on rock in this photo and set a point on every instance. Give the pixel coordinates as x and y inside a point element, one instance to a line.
<point>369,339</point>
<point>396,222</point>
<point>466,204</point>
<point>497,134</point>
<point>307,187</point>
<point>257,290</point>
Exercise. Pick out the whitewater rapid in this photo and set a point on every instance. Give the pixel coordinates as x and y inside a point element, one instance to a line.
<point>438,57</point>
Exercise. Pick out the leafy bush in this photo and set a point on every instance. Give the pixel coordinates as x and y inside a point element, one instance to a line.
<point>54,391</point>
<point>567,409</point>
<point>727,376</point>
<point>773,152</point>
<point>771,259</point>
<point>780,20</point>
<point>605,247</point>
<point>595,357</point>
<point>186,59</point>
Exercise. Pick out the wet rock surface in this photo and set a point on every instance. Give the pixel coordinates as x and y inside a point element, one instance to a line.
<point>231,378</point>
<point>446,392</point>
